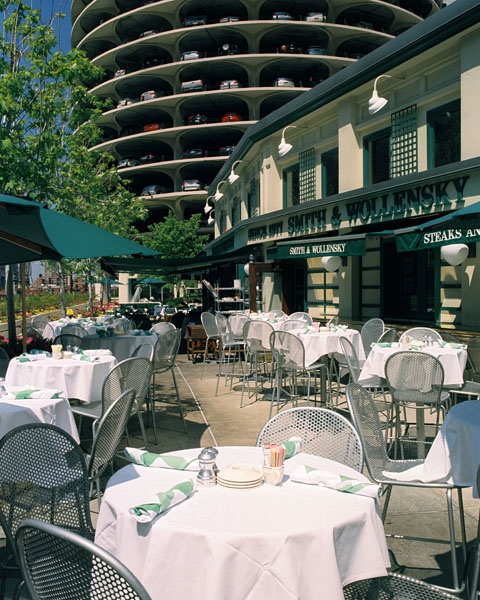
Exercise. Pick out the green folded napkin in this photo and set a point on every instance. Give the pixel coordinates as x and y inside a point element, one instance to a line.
<point>85,357</point>
<point>341,483</point>
<point>23,358</point>
<point>383,344</point>
<point>147,333</point>
<point>453,345</point>
<point>292,446</point>
<point>145,513</point>
<point>101,332</point>
<point>29,393</point>
<point>167,461</point>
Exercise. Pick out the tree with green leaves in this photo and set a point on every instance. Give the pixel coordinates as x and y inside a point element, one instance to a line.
<point>47,125</point>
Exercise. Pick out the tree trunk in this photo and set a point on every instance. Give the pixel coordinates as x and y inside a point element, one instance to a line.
<point>102,294</point>
<point>90,294</point>
<point>12,332</point>
<point>63,300</point>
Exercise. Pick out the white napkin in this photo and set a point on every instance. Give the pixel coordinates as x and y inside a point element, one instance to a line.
<point>342,483</point>
<point>98,352</point>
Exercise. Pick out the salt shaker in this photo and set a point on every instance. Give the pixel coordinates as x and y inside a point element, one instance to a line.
<point>206,476</point>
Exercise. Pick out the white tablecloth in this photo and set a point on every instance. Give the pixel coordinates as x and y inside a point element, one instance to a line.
<point>53,411</point>
<point>455,452</point>
<point>72,378</point>
<point>121,346</point>
<point>287,542</point>
<point>453,362</point>
<point>55,328</point>
<point>321,343</point>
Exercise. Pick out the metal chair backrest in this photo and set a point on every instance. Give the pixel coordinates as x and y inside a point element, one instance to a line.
<point>40,321</point>
<point>209,324</point>
<point>371,332</point>
<point>394,586</point>
<point>48,332</point>
<point>414,376</point>
<point>277,312</point>
<point>389,335</point>
<point>74,330</point>
<point>224,329</point>
<point>257,336</point>
<point>449,337</point>
<point>288,350</point>
<point>109,432</point>
<point>4,362</point>
<point>323,432</point>
<point>59,564</point>
<point>418,333</point>
<point>166,350</point>
<point>292,324</point>
<point>33,332</point>
<point>68,340</point>
<point>160,328</point>
<point>236,323</point>
<point>335,320</point>
<point>473,351</point>
<point>365,418</point>
<point>351,357</point>
<point>130,373</point>
<point>143,350</point>
<point>43,475</point>
<point>301,316</point>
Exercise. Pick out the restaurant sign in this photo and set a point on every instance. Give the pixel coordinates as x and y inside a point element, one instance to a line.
<point>415,240</point>
<point>354,247</point>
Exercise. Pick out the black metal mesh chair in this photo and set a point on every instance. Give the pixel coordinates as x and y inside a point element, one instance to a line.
<point>60,565</point>
<point>367,423</point>
<point>40,322</point>
<point>323,433</point>
<point>42,475</point>
<point>415,380</point>
<point>164,359</point>
<point>370,333</point>
<point>130,373</point>
<point>302,316</point>
<point>4,362</point>
<point>74,330</point>
<point>144,350</point>
<point>68,340</point>
<point>163,327</point>
<point>473,362</point>
<point>34,333</point>
<point>107,437</point>
<point>292,324</point>
<point>388,336</point>
<point>231,350</point>
<point>210,325</point>
<point>418,333</point>
<point>258,355</point>
<point>394,587</point>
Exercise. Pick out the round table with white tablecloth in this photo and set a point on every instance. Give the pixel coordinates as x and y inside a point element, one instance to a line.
<point>121,346</point>
<point>284,542</point>
<point>453,360</point>
<point>328,342</point>
<point>53,411</point>
<point>81,379</point>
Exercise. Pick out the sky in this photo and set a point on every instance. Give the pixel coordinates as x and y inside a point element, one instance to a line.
<point>63,26</point>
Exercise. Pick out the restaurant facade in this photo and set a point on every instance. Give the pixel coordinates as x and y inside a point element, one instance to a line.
<point>326,184</point>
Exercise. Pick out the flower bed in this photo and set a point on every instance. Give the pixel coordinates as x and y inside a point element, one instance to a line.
<point>41,302</point>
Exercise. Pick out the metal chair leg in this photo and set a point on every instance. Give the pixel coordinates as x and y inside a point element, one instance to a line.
<point>179,402</point>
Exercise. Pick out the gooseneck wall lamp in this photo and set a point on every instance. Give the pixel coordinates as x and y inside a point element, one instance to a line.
<point>283,147</point>
<point>232,178</point>
<point>218,193</point>
<point>376,102</point>
<point>208,207</point>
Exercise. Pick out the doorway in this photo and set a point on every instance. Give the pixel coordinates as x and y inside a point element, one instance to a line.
<point>408,284</point>
<point>294,281</point>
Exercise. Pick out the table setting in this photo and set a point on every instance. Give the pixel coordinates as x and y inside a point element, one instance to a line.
<point>452,356</point>
<point>20,405</point>
<point>74,373</point>
<point>319,341</point>
<point>120,345</point>
<point>248,521</point>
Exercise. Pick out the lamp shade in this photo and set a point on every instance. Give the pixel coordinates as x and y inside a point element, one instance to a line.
<point>376,103</point>
<point>232,178</point>
<point>246,268</point>
<point>218,195</point>
<point>454,254</point>
<point>331,263</point>
<point>283,147</point>
<point>207,208</point>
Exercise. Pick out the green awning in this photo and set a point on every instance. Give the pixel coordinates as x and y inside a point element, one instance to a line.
<point>335,246</point>
<point>28,232</point>
<point>458,227</point>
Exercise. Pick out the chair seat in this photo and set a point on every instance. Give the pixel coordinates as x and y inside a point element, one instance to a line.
<point>92,410</point>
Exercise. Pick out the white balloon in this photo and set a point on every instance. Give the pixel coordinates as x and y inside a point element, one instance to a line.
<point>454,254</point>
<point>331,263</point>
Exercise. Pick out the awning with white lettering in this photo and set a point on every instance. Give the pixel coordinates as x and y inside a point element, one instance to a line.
<point>458,227</point>
<point>347,245</point>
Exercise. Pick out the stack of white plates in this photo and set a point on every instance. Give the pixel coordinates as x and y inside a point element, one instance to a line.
<point>239,476</point>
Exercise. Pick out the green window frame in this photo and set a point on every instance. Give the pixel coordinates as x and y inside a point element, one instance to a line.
<point>443,151</point>
<point>373,150</point>
<point>291,186</point>
<point>307,175</point>
<point>252,200</point>
<point>329,162</point>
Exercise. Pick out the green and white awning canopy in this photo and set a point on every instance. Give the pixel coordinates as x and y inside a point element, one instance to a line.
<point>458,227</point>
<point>348,245</point>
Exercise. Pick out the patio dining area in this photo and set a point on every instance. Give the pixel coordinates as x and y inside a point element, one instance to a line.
<point>219,421</point>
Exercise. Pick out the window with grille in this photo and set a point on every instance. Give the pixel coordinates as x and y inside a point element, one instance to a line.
<point>330,173</point>
<point>403,142</point>
<point>291,186</point>
<point>252,200</point>
<point>444,135</point>
<point>307,171</point>
<point>235,211</point>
